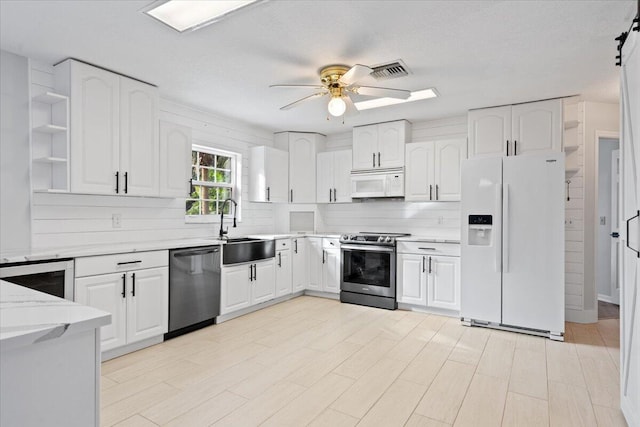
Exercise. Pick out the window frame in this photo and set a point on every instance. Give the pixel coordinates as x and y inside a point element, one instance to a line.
<point>235,186</point>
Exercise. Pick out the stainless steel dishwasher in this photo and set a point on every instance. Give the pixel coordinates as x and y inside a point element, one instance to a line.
<point>194,289</point>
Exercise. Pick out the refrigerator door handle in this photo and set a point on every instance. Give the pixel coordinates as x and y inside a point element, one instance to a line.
<point>497,240</point>
<point>505,228</point>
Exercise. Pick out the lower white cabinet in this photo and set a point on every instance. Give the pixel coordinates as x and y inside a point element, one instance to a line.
<point>429,275</point>
<point>324,265</point>
<point>283,267</point>
<point>299,264</point>
<point>138,300</point>
<point>245,285</point>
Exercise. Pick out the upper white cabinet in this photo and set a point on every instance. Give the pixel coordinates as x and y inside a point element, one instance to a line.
<point>433,170</point>
<point>175,160</point>
<point>511,130</point>
<point>334,177</point>
<point>114,131</point>
<point>380,146</point>
<point>303,148</point>
<point>268,175</point>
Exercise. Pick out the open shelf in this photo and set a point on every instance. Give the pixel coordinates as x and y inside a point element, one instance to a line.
<point>569,124</point>
<point>50,98</point>
<point>571,148</point>
<point>571,171</point>
<point>50,160</point>
<point>49,190</point>
<point>50,129</point>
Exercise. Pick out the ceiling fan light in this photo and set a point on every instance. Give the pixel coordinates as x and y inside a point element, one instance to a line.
<point>337,106</point>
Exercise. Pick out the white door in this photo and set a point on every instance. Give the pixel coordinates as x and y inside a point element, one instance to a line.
<point>235,288</point>
<point>533,242</point>
<point>175,160</point>
<point>325,174</point>
<point>537,127</point>
<point>264,282</point>
<point>302,168</point>
<point>419,183</point>
<point>630,240</point>
<point>448,159</point>
<point>95,130</point>
<point>147,303</point>
<point>342,176</point>
<point>331,271</point>
<point>489,131</point>
<point>615,225</point>
<point>299,270</point>
<point>443,285</point>
<point>283,273</point>
<point>139,143</point>
<point>106,292</point>
<point>277,178</point>
<point>412,286</point>
<point>391,142</point>
<point>315,258</point>
<point>365,147</point>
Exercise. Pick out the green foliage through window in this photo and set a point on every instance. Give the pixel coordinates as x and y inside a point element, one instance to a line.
<point>212,177</point>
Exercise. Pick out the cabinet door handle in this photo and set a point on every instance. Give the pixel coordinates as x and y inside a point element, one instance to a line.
<point>628,222</point>
<point>255,272</point>
<point>334,196</point>
<point>129,262</point>
<point>424,262</point>
<point>291,195</point>
<point>437,193</point>
<point>126,182</point>
<point>430,191</point>
<point>515,147</point>
<point>429,265</point>
<point>124,285</point>
<point>133,284</point>
<point>279,259</point>
<point>117,182</point>
<point>251,272</point>
<point>330,196</point>
<point>295,242</point>
<point>378,159</point>
<point>190,187</point>
<point>323,256</point>
<point>428,249</point>
<point>268,194</point>
<point>374,159</point>
<point>507,147</point>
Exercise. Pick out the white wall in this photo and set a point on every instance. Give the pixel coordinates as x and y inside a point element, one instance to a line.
<point>62,220</point>
<point>15,192</point>
<point>603,238</point>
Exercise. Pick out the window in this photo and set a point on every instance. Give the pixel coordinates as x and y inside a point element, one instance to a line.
<point>214,179</point>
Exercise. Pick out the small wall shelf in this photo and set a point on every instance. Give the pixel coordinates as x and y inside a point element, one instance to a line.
<point>50,160</point>
<point>570,124</point>
<point>570,148</point>
<point>571,171</point>
<point>50,98</point>
<point>50,129</point>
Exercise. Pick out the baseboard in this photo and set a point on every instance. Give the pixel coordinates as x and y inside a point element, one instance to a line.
<point>581,316</point>
<point>606,298</point>
<point>429,310</point>
<point>322,294</point>
<point>229,316</point>
<point>130,348</point>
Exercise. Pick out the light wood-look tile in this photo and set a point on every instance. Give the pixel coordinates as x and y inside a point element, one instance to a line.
<point>395,406</point>
<point>529,373</point>
<point>106,383</point>
<point>563,364</point>
<point>484,403</point>
<point>419,421</point>
<point>426,365</point>
<point>602,380</point>
<point>361,361</point>
<point>445,395</point>
<point>609,417</point>
<point>497,357</point>
<point>332,418</point>
<point>525,411</point>
<point>134,404</point>
<point>312,372</point>
<point>470,346</point>
<point>209,411</point>
<point>569,405</point>
<point>136,421</point>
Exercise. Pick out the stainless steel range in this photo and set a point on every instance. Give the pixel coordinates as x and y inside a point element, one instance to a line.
<point>368,272</point>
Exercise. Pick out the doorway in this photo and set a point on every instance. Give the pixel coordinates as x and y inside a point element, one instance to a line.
<point>607,223</point>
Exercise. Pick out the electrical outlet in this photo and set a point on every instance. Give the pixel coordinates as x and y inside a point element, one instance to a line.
<point>116,220</point>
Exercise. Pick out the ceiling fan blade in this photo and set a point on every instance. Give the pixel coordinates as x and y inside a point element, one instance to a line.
<point>299,86</point>
<point>351,108</point>
<point>383,92</point>
<point>294,103</point>
<point>354,74</point>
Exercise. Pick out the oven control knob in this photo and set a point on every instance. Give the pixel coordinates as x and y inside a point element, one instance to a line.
<point>345,237</point>
<point>388,239</point>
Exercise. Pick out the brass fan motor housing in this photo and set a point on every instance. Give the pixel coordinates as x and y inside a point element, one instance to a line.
<point>329,77</point>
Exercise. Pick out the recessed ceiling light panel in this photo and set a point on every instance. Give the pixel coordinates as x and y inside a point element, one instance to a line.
<point>383,102</point>
<point>183,15</point>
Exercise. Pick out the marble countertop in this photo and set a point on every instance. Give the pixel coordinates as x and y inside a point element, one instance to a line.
<point>28,317</point>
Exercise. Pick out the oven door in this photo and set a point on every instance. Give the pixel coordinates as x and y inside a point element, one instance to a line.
<point>369,270</point>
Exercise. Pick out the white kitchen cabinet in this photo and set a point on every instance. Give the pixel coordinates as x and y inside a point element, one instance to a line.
<point>303,148</point>
<point>134,288</point>
<point>529,128</point>
<point>175,160</point>
<point>299,264</point>
<point>412,279</point>
<point>433,170</point>
<point>283,267</point>
<point>334,177</point>
<point>443,287</point>
<point>268,175</point>
<point>114,131</point>
<point>245,285</point>
<point>380,146</point>
<point>324,264</point>
<point>315,251</point>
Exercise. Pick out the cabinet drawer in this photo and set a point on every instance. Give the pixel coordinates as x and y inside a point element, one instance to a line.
<point>103,264</point>
<point>429,248</point>
<point>283,244</point>
<point>330,243</point>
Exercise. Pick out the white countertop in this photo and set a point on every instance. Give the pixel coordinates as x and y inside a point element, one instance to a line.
<point>28,317</point>
<point>430,239</point>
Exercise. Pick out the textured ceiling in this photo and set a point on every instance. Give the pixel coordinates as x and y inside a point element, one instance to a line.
<point>476,53</point>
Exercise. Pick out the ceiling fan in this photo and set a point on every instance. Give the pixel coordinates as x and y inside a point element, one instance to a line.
<point>340,81</point>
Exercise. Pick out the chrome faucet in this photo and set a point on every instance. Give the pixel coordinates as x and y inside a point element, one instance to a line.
<point>235,208</point>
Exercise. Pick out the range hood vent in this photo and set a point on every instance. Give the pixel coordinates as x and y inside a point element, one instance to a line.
<point>391,70</point>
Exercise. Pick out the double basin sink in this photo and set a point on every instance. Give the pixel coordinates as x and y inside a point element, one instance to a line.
<point>246,249</point>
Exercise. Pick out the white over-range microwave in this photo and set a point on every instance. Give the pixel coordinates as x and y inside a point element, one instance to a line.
<point>377,184</point>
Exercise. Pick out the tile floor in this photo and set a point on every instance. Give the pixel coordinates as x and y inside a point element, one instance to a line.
<point>314,361</point>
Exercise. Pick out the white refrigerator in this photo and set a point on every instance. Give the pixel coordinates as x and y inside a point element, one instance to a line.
<point>512,272</point>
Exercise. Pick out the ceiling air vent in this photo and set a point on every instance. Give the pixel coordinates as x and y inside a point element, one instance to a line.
<point>392,70</point>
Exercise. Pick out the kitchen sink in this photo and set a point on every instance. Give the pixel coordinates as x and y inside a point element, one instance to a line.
<point>245,249</point>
